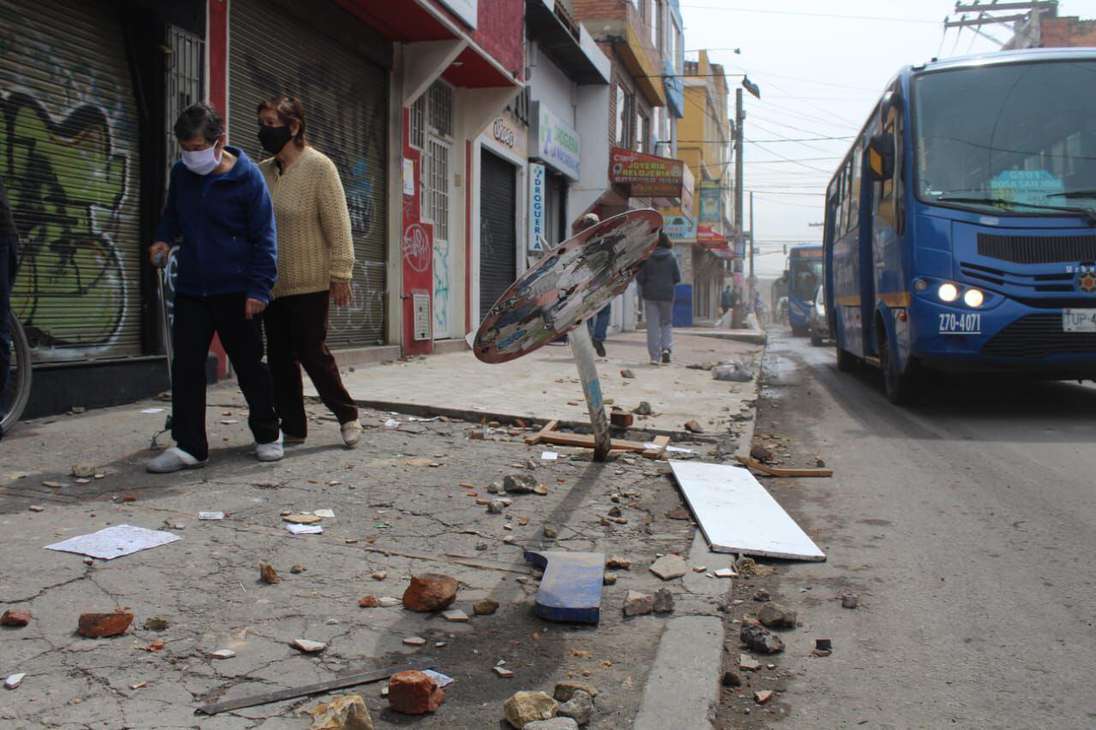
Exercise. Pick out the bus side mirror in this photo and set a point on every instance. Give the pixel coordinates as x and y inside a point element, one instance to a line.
<point>881,156</point>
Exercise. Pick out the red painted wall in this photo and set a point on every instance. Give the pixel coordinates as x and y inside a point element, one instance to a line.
<point>217,45</point>
<point>417,251</point>
<point>500,32</point>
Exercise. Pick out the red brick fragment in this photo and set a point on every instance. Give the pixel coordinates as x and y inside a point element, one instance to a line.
<point>414,693</point>
<point>101,625</point>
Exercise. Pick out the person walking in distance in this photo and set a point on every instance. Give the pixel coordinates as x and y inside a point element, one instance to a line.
<point>219,205</point>
<point>657,278</point>
<point>599,323</point>
<point>8,242</point>
<point>315,265</point>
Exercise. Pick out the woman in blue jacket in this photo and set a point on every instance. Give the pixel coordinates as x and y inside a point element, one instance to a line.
<point>219,205</point>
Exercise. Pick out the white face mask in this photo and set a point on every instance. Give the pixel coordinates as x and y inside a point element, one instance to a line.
<point>202,162</point>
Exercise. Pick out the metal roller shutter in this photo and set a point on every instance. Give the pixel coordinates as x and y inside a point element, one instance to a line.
<point>344,98</point>
<point>498,229</point>
<point>69,157</point>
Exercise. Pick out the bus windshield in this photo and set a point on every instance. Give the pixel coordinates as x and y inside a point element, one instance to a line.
<point>1018,136</point>
<point>806,275</point>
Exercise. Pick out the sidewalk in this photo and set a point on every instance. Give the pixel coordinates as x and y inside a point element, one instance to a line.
<point>401,508</point>
<point>544,385</point>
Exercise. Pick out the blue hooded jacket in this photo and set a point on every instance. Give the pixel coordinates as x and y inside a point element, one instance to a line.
<point>226,222</point>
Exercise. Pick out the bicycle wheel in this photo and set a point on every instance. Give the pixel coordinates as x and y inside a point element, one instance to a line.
<point>16,392</point>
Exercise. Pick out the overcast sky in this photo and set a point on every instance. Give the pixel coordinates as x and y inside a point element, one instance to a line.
<point>819,77</point>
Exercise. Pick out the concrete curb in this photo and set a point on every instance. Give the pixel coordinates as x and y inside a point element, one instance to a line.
<point>683,685</point>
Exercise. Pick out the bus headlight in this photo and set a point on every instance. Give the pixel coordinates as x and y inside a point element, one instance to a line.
<point>973,298</point>
<point>948,292</point>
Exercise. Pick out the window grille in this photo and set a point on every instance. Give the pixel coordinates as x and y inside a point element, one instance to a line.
<point>441,109</point>
<point>184,83</point>
<point>418,128</point>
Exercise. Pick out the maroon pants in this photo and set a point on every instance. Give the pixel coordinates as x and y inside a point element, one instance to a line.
<point>296,336</point>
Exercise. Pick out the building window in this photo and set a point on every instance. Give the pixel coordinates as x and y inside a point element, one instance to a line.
<point>441,109</point>
<point>656,25</point>
<point>435,112</point>
<point>643,131</point>
<point>677,53</point>
<point>418,122</point>
<point>438,157</point>
<point>671,46</point>
<point>625,103</point>
<point>184,81</point>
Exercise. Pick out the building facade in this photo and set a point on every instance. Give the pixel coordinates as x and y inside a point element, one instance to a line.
<point>403,96</point>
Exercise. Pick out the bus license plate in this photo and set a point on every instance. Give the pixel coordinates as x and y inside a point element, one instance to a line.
<point>1079,320</point>
<point>966,323</point>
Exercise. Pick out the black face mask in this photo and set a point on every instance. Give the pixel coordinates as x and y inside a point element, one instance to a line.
<point>274,138</point>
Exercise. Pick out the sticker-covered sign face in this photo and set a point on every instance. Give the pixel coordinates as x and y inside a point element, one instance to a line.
<point>569,285</point>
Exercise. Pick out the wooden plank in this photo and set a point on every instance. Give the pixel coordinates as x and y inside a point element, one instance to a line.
<point>659,451</point>
<point>737,515</point>
<point>348,680</point>
<point>539,435</point>
<point>780,471</point>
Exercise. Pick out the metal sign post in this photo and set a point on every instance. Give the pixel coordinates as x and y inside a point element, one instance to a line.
<point>583,348</point>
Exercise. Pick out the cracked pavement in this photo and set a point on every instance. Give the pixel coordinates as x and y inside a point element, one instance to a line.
<point>401,505</point>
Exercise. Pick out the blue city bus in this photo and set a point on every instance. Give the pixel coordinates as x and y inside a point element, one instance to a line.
<point>960,230</point>
<point>803,276</point>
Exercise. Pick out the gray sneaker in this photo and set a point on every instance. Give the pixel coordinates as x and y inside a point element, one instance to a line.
<point>173,459</point>
<point>272,451</point>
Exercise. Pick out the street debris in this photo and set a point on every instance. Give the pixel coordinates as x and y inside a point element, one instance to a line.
<point>627,374</point>
<point>442,680</point>
<point>12,681</point>
<point>297,569</point>
<point>302,518</point>
<point>761,595</point>
<point>496,507</point>
<point>616,562</point>
<point>485,607</point>
<point>307,646</point>
<point>549,456</point>
<point>103,625</point>
<point>747,663</point>
<point>725,573</point>
<point>669,567</point>
<point>761,453</point>
<point>414,641</point>
<point>775,616</point>
<point>519,483</point>
<point>736,514</point>
<point>341,682</point>
<point>268,575</point>
<point>304,529</point>
<point>503,672</point>
<point>321,513</point>
<point>579,708</point>
<point>734,372</point>
<point>664,602</point>
<point>780,471</point>
<point>36,508</point>
<point>643,409</point>
<point>550,532</point>
<point>455,615</point>
<point>762,696</point>
<point>570,589</point>
<point>693,426</point>
<point>731,679</point>
<point>369,602</point>
<point>83,471</point>
<point>430,592</point>
<point>523,708</point>
<point>414,693</point>
<point>822,647</point>
<point>155,645</point>
<point>15,618</point>
<point>114,542</point>
<point>566,689</point>
<point>155,623</point>
<point>211,515</point>
<point>222,654</point>
<point>556,723</point>
<point>620,419</point>
<point>342,712</point>
<point>850,600</point>
<point>757,638</point>
<point>638,604</point>
<point>749,566</point>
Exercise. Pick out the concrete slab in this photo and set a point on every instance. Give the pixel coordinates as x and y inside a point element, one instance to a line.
<point>544,385</point>
<point>683,685</point>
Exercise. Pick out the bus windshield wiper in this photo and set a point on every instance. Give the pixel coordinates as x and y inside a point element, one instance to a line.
<point>1090,213</point>
<point>1089,193</point>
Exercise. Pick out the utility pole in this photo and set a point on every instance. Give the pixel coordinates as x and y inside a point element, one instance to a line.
<point>739,119</point>
<point>753,238</point>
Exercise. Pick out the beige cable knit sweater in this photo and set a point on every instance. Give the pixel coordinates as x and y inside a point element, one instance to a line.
<point>315,246</point>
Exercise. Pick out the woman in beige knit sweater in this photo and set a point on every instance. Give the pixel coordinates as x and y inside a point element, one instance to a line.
<point>315,264</point>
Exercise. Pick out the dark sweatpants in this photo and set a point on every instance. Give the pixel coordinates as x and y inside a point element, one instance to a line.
<point>296,336</point>
<point>195,322</point>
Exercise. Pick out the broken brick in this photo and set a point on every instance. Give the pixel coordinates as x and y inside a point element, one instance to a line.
<point>15,617</point>
<point>430,592</point>
<point>414,693</point>
<point>268,575</point>
<point>102,625</point>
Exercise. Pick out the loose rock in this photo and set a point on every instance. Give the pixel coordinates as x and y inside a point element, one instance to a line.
<point>430,592</point>
<point>747,663</point>
<point>776,616</point>
<point>414,641</point>
<point>268,575</point>
<point>102,625</point>
<point>523,708</point>
<point>566,690</point>
<point>156,623</point>
<point>761,453</point>
<point>627,373</point>
<point>669,567</point>
<point>761,596</point>
<point>763,696</point>
<point>850,600</point>
<point>609,579</point>
<point>519,483</point>
<point>693,426</point>
<point>643,409</point>
<point>556,723</point>
<point>485,607</point>
<point>369,602</point>
<point>14,680</point>
<point>414,693</point>
<point>389,602</point>
<point>579,708</point>
<point>664,601</point>
<point>550,532</point>
<point>297,569</point>
<point>616,562</point>
<point>638,604</point>
<point>343,712</point>
<point>83,471</point>
<point>308,646</point>
<point>731,679</point>
<point>455,615</point>
<point>222,654</point>
<point>379,575</point>
<point>15,617</point>
<point>760,639</point>
<point>495,507</point>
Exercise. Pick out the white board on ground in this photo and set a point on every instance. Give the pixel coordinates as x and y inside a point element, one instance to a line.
<point>737,515</point>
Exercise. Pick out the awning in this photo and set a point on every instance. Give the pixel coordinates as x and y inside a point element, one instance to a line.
<point>714,242</point>
<point>641,175</point>
<point>566,42</point>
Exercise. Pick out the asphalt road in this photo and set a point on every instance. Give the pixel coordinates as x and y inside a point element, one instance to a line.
<point>967,525</point>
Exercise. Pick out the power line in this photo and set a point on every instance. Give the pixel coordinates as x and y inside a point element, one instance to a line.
<point>802,14</point>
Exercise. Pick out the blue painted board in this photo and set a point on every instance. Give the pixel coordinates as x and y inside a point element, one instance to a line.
<point>570,590</point>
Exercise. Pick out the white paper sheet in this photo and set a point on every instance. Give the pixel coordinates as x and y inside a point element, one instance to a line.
<point>113,542</point>
<point>442,680</point>
<point>150,411</point>
<point>737,515</point>
<point>324,512</point>
<point>211,515</point>
<point>549,456</point>
<point>304,529</point>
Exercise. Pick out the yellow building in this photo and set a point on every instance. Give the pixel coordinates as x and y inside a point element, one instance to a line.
<point>705,144</point>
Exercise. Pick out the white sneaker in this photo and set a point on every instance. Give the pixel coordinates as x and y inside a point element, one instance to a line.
<point>655,363</point>
<point>272,451</point>
<point>351,433</point>
<point>173,459</point>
